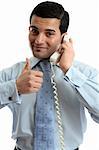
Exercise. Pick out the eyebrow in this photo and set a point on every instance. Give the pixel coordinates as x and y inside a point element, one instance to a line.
<point>50,30</point>
<point>34,27</point>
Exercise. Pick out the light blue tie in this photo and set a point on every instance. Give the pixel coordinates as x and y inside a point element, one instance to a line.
<point>44,112</point>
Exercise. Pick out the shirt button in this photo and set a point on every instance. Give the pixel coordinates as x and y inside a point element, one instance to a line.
<point>10,98</point>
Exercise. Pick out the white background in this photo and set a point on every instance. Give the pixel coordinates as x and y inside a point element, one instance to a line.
<point>14,47</point>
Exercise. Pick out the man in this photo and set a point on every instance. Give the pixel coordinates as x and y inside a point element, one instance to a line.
<point>77,85</point>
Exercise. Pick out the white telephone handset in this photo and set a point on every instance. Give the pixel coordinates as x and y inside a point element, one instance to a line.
<point>54,57</point>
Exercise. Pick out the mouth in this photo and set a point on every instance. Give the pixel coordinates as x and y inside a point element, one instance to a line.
<point>39,48</point>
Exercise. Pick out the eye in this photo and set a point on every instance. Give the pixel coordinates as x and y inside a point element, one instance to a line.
<point>49,34</point>
<point>33,31</point>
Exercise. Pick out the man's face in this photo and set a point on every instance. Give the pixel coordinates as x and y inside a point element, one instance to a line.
<point>44,36</point>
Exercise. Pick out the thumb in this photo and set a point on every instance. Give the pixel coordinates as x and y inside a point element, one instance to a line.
<point>27,65</point>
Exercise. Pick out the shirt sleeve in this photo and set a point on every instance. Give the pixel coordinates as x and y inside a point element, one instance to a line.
<point>8,90</point>
<point>86,83</point>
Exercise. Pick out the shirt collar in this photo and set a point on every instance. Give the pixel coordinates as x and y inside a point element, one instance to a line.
<point>34,61</point>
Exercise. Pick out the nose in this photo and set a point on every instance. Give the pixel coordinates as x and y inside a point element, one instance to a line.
<point>39,39</point>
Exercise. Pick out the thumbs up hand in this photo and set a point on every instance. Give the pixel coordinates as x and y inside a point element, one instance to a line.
<point>30,80</point>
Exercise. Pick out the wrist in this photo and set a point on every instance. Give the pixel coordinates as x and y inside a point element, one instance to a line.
<point>64,68</point>
<point>18,89</point>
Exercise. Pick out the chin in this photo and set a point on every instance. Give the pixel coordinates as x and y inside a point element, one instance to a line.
<point>40,55</point>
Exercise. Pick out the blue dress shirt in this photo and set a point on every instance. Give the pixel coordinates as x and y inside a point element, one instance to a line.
<point>77,89</point>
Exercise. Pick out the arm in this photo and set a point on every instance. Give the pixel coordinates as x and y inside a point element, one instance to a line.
<point>83,78</point>
<point>8,90</point>
<point>18,79</point>
<point>86,82</point>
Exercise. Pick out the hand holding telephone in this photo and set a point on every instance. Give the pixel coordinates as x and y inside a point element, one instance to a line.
<point>64,56</point>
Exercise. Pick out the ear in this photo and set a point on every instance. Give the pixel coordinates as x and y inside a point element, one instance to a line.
<point>62,36</point>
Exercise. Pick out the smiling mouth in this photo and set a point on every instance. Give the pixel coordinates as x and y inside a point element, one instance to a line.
<point>38,48</point>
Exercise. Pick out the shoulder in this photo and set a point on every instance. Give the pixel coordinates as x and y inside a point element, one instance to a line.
<point>86,69</point>
<point>15,70</point>
<point>11,72</point>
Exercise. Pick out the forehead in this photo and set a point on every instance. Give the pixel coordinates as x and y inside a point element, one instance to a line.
<point>45,23</point>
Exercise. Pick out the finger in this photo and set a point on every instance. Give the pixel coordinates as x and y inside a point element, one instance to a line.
<point>37,73</point>
<point>70,40</point>
<point>60,48</point>
<point>38,79</point>
<point>36,90</point>
<point>58,59</point>
<point>27,65</point>
<point>37,85</point>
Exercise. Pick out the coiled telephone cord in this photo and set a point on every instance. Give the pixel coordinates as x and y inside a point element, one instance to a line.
<point>58,110</point>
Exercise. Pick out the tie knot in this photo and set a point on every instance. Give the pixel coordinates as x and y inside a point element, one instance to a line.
<point>45,65</point>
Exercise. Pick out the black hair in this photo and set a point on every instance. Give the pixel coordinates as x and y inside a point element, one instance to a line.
<point>50,9</point>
